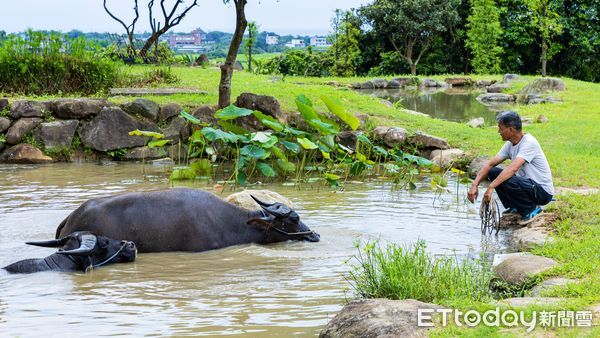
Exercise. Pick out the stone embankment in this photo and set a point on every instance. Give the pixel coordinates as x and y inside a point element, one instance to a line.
<point>36,131</point>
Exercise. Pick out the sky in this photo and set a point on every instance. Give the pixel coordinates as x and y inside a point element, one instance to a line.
<point>303,17</point>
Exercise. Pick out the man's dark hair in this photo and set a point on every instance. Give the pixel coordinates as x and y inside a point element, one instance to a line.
<point>509,119</point>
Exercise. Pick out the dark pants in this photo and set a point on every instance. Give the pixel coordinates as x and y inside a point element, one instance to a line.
<point>520,193</point>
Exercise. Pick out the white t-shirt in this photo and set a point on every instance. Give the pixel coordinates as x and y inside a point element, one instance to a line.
<point>536,165</point>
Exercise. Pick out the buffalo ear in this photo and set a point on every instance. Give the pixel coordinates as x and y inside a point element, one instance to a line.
<point>262,222</point>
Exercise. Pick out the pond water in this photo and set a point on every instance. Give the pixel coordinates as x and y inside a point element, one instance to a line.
<point>452,104</point>
<point>285,289</point>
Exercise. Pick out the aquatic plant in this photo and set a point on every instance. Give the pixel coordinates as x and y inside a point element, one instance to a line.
<point>283,151</point>
<point>409,272</point>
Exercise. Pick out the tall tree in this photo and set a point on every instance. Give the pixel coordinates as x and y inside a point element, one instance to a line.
<point>251,41</point>
<point>345,48</point>
<point>483,35</point>
<point>170,20</point>
<point>236,40</point>
<point>129,28</point>
<point>546,20</point>
<point>410,25</point>
<point>335,25</point>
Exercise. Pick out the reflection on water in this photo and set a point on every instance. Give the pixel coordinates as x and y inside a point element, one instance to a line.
<point>452,104</point>
<point>284,289</point>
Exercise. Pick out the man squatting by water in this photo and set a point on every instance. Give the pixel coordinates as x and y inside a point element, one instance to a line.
<point>526,183</point>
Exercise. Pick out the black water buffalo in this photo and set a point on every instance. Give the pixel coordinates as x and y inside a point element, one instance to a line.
<point>79,251</point>
<point>185,220</point>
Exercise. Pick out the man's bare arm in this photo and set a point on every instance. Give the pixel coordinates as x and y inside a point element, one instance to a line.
<point>481,175</point>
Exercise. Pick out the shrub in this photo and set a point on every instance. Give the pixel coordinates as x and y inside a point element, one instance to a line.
<point>41,63</point>
<point>397,272</point>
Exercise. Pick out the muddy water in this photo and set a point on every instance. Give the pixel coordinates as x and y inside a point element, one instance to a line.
<point>277,290</point>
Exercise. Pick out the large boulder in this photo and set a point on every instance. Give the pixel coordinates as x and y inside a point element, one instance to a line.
<point>401,82</point>
<point>77,108</point>
<point>169,110</point>
<point>24,154</point>
<point>56,134</point>
<point>267,105</point>
<point>459,81</point>
<point>518,269</point>
<point>498,87</point>
<point>476,123</point>
<point>3,104</point>
<point>379,132</point>
<point>395,136</point>
<point>110,130</point>
<point>27,108</point>
<point>528,237</point>
<point>379,83</point>
<point>373,318</point>
<point>4,124</point>
<point>348,138</point>
<point>142,107</point>
<point>495,98</point>
<point>424,141</point>
<point>206,115</point>
<point>145,153</point>
<point>201,60</point>
<point>238,65</point>
<point>20,128</point>
<point>476,165</point>
<point>244,200</point>
<point>177,130</point>
<point>445,158</point>
<point>510,78</point>
<point>544,84</point>
<point>429,83</point>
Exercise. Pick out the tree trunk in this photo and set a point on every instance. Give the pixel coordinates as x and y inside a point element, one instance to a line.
<point>250,58</point>
<point>413,69</point>
<point>544,55</point>
<point>227,67</point>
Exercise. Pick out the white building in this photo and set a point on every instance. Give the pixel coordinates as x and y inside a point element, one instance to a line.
<point>319,41</point>
<point>295,43</point>
<point>272,40</point>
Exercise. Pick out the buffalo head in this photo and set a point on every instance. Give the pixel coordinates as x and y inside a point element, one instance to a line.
<point>283,221</point>
<point>96,250</point>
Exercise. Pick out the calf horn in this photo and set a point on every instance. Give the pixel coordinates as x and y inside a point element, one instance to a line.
<point>51,243</point>
<point>276,209</point>
<point>87,244</point>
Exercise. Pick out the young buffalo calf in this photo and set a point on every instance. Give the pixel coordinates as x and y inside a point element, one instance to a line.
<point>78,251</point>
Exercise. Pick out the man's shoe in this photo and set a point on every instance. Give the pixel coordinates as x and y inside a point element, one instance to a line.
<point>509,211</point>
<point>530,216</point>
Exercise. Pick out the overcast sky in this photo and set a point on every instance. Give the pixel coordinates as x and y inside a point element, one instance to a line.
<point>282,17</point>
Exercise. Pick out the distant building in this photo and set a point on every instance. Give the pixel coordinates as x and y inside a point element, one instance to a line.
<point>193,39</point>
<point>272,40</point>
<point>296,43</point>
<point>319,41</point>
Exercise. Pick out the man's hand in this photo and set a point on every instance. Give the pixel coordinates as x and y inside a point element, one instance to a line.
<point>472,194</point>
<point>487,197</point>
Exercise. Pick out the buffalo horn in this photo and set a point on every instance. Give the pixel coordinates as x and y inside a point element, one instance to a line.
<point>261,203</point>
<point>53,243</point>
<point>87,244</point>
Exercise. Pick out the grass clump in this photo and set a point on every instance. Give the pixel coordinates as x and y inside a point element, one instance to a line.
<point>409,272</point>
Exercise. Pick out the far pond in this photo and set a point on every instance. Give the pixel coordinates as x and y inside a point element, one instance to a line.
<point>451,104</point>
